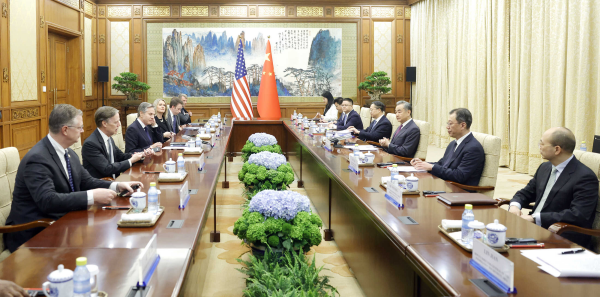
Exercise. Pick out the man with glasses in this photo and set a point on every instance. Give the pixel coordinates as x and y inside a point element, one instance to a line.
<point>51,182</point>
<point>408,135</point>
<point>349,118</point>
<point>101,157</point>
<point>464,157</point>
<point>379,128</point>
<point>143,134</point>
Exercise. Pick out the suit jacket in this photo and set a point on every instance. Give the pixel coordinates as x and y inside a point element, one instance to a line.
<point>184,117</point>
<point>572,200</point>
<point>406,142</point>
<point>170,122</point>
<point>381,130</point>
<point>42,190</point>
<point>163,126</point>
<point>136,139</point>
<point>96,159</point>
<point>464,165</point>
<point>353,120</point>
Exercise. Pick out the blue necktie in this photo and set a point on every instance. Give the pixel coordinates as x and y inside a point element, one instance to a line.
<point>148,134</point>
<point>344,120</point>
<point>69,170</point>
<point>174,124</point>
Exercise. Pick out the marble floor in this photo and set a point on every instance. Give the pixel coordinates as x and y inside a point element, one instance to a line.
<point>224,280</point>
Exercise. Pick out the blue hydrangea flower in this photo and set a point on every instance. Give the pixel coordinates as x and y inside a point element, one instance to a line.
<point>260,139</point>
<point>267,159</point>
<point>279,204</point>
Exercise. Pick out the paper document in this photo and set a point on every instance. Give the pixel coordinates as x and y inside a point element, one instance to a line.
<point>173,148</point>
<point>171,176</point>
<point>586,264</point>
<point>408,169</point>
<point>365,147</point>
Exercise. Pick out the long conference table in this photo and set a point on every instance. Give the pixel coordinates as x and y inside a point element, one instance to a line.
<point>387,257</point>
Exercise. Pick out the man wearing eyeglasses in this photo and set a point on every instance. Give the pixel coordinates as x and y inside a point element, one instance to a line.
<point>464,157</point>
<point>50,180</point>
<point>349,118</point>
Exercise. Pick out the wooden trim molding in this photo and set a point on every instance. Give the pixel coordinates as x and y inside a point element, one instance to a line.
<point>25,113</point>
<point>52,27</point>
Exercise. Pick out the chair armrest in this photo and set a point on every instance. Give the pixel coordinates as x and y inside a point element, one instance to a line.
<point>502,201</point>
<point>561,227</point>
<point>35,224</point>
<point>405,159</point>
<point>472,188</point>
<point>108,179</point>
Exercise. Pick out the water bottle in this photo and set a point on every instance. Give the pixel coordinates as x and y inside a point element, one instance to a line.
<point>219,115</point>
<point>180,164</point>
<point>356,150</point>
<point>394,174</point>
<point>153,199</point>
<point>81,279</point>
<point>467,217</point>
<point>583,147</point>
<point>198,141</point>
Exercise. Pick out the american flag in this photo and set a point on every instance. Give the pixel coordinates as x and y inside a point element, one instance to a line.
<point>241,103</point>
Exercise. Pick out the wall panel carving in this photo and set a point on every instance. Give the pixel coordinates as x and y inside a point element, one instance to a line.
<point>87,55</point>
<point>407,12</point>
<point>271,11</point>
<point>74,3</point>
<point>119,50</point>
<point>233,11</point>
<point>342,12</point>
<point>307,11</point>
<point>21,114</point>
<point>382,12</point>
<point>194,11</point>
<point>382,47</point>
<point>119,11</point>
<point>23,50</point>
<point>156,11</point>
<point>88,8</point>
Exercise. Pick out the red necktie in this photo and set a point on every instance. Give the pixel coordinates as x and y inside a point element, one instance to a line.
<point>397,131</point>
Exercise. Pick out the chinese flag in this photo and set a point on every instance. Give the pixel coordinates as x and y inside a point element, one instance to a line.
<point>268,100</point>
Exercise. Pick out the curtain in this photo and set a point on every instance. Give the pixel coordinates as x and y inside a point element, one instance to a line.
<point>461,51</point>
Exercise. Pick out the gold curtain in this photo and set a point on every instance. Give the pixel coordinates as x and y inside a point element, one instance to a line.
<point>460,49</point>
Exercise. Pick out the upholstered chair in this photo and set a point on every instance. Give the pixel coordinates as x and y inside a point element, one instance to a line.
<point>424,128</point>
<point>77,148</point>
<point>131,118</point>
<point>365,116</point>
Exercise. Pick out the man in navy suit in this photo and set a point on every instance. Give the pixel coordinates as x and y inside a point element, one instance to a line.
<point>141,136</point>
<point>349,118</point>
<point>379,128</point>
<point>406,138</point>
<point>563,189</point>
<point>464,157</point>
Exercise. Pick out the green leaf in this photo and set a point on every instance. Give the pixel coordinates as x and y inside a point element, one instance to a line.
<point>287,243</point>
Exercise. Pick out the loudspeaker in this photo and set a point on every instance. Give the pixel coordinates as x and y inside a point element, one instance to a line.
<point>596,147</point>
<point>102,73</point>
<point>411,74</point>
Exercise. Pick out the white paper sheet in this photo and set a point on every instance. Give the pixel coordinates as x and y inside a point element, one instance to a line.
<point>366,147</point>
<point>571,265</point>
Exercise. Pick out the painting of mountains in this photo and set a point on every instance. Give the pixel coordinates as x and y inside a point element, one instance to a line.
<point>200,62</point>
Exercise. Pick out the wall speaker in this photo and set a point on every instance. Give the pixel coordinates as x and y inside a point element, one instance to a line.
<point>102,73</point>
<point>411,74</point>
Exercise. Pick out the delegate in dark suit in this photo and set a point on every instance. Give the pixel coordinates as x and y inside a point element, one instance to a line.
<point>42,190</point>
<point>184,117</point>
<point>353,120</point>
<point>96,158</point>
<point>137,139</point>
<point>169,116</point>
<point>464,165</point>
<point>572,199</point>
<point>405,142</point>
<point>162,127</point>
<point>382,129</point>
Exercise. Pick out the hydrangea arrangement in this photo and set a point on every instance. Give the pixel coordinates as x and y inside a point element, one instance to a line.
<point>281,219</point>
<point>266,171</point>
<point>260,142</point>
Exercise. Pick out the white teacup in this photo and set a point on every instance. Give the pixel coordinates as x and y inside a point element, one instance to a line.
<point>191,143</point>
<point>60,283</point>
<point>496,234</point>
<point>138,201</point>
<point>369,157</point>
<point>170,166</point>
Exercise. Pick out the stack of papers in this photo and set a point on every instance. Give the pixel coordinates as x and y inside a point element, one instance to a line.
<point>585,264</point>
<point>366,147</point>
<point>173,148</point>
<point>406,169</point>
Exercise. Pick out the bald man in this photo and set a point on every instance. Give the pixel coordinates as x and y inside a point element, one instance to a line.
<point>563,189</point>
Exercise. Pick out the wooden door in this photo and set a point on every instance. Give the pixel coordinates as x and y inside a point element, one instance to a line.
<point>58,70</point>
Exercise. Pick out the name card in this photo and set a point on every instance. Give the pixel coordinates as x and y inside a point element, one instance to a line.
<point>201,162</point>
<point>213,140</point>
<point>394,195</point>
<point>218,133</point>
<point>184,195</point>
<point>147,262</point>
<point>327,144</point>
<point>354,163</point>
<point>494,266</point>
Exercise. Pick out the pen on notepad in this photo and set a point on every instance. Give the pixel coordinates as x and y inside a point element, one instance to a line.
<point>573,252</point>
<point>157,172</point>
<point>533,245</point>
<point>115,207</point>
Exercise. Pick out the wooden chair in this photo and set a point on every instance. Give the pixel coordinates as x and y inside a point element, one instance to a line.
<point>591,160</point>
<point>365,116</point>
<point>9,163</point>
<point>131,118</point>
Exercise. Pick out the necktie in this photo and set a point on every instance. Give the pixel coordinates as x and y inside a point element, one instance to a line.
<point>374,124</point>
<point>450,156</point>
<point>174,124</point>
<point>549,186</point>
<point>397,131</point>
<point>109,150</point>
<point>69,170</point>
<point>345,118</point>
<point>148,134</point>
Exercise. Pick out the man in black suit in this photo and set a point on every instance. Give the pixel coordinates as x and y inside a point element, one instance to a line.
<point>50,180</point>
<point>563,189</point>
<point>464,157</point>
<point>349,118</point>
<point>142,135</point>
<point>379,128</point>
<point>173,115</point>
<point>101,157</point>
<point>406,138</point>
<point>185,117</point>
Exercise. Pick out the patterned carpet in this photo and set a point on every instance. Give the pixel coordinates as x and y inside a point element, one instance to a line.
<point>224,280</point>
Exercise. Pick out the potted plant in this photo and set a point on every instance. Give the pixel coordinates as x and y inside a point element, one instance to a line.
<point>376,85</point>
<point>265,171</point>
<point>281,220</point>
<point>260,142</point>
<point>128,84</point>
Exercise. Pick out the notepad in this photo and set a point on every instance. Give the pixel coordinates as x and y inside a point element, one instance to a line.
<point>571,265</point>
<point>406,169</point>
<point>365,147</point>
<point>171,177</point>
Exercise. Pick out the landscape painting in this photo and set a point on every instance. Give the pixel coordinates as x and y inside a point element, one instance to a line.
<point>201,62</point>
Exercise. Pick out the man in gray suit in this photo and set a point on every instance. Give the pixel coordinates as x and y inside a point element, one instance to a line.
<point>405,139</point>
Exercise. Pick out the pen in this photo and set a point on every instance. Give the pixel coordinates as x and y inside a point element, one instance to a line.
<point>152,172</point>
<point>573,252</point>
<point>115,207</point>
<point>533,245</point>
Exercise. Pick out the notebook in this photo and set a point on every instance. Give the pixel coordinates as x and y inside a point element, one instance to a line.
<point>466,198</point>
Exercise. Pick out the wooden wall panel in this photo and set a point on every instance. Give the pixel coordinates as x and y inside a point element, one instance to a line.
<point>400,78</point>
<point>25,135</point>
<point>62,15</point>
<point>366,46</point>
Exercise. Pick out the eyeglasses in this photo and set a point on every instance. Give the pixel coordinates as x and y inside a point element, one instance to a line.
<point>449,124</point>
<point>346,105</point>
<point>80,128</point>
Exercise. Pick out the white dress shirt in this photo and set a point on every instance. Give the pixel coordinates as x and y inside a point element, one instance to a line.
<point>460,140</point>
<point>109,148</point>
<point>331,114</point>
<point>559,169</point>
<point>60,151</point>
<point>377,121</point>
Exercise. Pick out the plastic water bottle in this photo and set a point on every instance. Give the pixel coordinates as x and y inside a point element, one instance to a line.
<point>198,141</point>
<point>467,217</point>
<point>583,147</point>
<point>394,174</point>
<point>153,199</point>
<point>81,279</point>
<point>180,164</point>
<point>356,150</point>
<point>219,115</point>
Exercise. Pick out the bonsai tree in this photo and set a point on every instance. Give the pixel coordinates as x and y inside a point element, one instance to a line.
<point>128,84</point>
<point>376,84</point>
